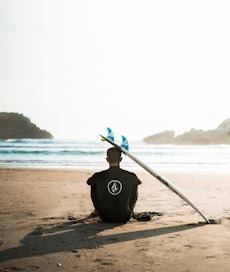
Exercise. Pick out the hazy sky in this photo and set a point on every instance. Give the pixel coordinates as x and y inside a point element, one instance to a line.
<point>140,67</point>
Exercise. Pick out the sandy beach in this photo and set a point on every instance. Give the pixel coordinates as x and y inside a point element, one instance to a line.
<point>44,225</point>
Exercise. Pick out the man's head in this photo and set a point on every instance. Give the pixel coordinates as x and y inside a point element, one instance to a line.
<point>114,155</point>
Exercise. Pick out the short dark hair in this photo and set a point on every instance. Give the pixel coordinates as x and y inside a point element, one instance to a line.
<point>114,154</point>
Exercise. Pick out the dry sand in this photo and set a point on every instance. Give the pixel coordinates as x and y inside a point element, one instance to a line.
<point>42,225</point>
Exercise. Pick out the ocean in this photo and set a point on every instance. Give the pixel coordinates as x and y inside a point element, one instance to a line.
<point>73,154</point>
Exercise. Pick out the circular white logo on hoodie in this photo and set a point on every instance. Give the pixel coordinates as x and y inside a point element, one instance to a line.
<point>114,187</point>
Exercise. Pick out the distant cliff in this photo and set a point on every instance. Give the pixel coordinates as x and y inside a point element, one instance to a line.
<point>220,135</point>
<point>17,126</point>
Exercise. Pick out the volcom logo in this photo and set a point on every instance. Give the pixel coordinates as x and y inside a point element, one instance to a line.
<point>114,187</point>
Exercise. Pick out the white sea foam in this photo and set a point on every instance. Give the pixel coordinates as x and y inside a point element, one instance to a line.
<point>72,154</point>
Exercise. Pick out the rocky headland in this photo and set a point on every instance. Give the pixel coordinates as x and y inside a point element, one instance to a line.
<point>220,135</point>
<point>17,126</point>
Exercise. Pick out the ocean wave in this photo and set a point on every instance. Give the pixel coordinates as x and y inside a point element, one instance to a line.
<point>50,152</point>
<point>91,154</point>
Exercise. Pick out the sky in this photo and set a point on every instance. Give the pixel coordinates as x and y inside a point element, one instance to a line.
<point>76,67</point>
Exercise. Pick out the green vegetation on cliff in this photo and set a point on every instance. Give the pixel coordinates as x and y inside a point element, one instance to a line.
<point>17,126</point>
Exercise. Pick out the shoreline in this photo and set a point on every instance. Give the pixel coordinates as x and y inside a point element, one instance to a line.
<point>44,227</point>
<point>137,169</point>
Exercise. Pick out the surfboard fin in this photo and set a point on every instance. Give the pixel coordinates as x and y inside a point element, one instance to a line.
<point>110,135</point>
<point>124,143</point>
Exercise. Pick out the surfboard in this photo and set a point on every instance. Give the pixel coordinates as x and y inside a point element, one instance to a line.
<point>162,179</point>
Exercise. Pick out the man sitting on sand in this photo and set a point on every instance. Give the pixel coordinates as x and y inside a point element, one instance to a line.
<point>114,191</point>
